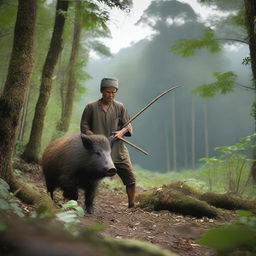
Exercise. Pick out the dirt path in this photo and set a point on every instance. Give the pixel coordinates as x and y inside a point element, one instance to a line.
<point>167,230</point>
<point>170,231</point>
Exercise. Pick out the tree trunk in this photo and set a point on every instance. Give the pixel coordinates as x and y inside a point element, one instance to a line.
<point>185,144</point>
<point>32,150</point>
<point>193,135</point>
<point>250,20</point>
<point>16,85</point>
<point>174,146</point>
<point>66,114</point>
<point>250,16</point>
<point>206,137</point>
<point>167,149</point>
<point>5,70</point>
<point>23,117</point>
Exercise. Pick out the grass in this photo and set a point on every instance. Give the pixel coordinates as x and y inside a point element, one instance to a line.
<point>199,179</point>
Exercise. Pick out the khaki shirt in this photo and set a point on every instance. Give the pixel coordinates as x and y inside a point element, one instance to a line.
<point>99,121</point>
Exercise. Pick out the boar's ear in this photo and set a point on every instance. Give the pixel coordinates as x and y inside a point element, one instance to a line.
<point>111,140</point>
<point>87,142</point>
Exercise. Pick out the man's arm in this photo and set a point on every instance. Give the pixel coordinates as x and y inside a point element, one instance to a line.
<point>85,123</point>
<point>124,131</point>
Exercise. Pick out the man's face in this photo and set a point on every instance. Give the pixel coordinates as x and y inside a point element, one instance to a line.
<point>108,94</point>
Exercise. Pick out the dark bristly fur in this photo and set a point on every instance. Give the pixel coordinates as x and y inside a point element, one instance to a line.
<point>77,161</point>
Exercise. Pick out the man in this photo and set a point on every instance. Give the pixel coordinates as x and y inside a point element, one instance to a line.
<point>107,116</point>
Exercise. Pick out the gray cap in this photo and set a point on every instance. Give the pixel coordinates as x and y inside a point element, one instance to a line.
<point>109,82</point>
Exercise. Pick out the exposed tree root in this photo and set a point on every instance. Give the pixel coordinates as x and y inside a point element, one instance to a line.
<point>178,197</point>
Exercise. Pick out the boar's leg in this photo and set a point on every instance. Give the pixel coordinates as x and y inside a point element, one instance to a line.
<point>71,194</point>
<point>50,189</point>
<point>69,186</point>
<point>89,195</point>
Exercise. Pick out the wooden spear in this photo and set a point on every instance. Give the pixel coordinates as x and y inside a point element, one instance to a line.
<point>133,145</point>
<point>140,112</point>
<point>149,104</point>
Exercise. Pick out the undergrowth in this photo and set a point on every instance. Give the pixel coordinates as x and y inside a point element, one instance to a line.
<point>227,173</point>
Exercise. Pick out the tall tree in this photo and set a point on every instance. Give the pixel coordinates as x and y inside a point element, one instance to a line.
<point>193,134</point>
<point>250,14</point>
<point>90,19</point>
<point>174,146</point>
<point>245,19</point>
<point>206,137</point>
<point>32,150</point>
<point>16,85</point>
<point>8,11</point>
<point>63,124</point>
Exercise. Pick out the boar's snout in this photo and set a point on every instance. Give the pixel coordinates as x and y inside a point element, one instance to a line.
<point>111,172</point>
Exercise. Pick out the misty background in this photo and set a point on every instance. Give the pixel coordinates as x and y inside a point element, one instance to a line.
<point>181,127</point>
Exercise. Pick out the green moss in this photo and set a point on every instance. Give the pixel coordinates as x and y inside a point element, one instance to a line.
<point>179,198</point>
<point>182,187</point>
<point>123,247</point>
<point>45,207</point>
<point>126,247</point>
<point>227,201</point>
<point>26,193</point>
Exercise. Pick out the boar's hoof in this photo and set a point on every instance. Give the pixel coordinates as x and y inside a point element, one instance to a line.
<point>90,209</point>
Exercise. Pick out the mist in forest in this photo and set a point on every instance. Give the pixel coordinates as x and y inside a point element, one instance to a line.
<point>168,129</point>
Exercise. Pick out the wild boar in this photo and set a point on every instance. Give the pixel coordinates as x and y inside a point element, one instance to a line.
<point>77,161</point>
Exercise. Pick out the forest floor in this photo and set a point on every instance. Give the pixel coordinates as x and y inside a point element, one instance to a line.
<point>167,230</point>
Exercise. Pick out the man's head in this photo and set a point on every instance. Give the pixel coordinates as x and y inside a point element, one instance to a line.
<point>108,88</point>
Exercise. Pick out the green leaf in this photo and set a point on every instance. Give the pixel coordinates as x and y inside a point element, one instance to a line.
<point>233,236</point>
<point>16,209</point>
<point>4,189</point>
<point>4,184</point>
<point>70,204</point>
<point>80,211</point>
<point>223,84</point>
<point>186,47</point>
<point>68,217</point>
<point>4,205</point>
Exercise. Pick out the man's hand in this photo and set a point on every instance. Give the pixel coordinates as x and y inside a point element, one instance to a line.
<point>120,133</point>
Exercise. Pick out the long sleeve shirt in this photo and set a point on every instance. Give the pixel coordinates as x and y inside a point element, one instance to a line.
<point>99,121</point>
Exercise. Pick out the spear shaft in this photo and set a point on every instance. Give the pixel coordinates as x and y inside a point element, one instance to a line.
<point>140,112</point>
<point>149,104</point>
<point>133,145</point>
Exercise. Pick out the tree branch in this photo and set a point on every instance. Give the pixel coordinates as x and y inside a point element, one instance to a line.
<point>246,87</point>
<point>232,39</point>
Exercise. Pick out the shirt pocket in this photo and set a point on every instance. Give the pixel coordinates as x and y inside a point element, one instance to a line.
<point>116,123</point>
